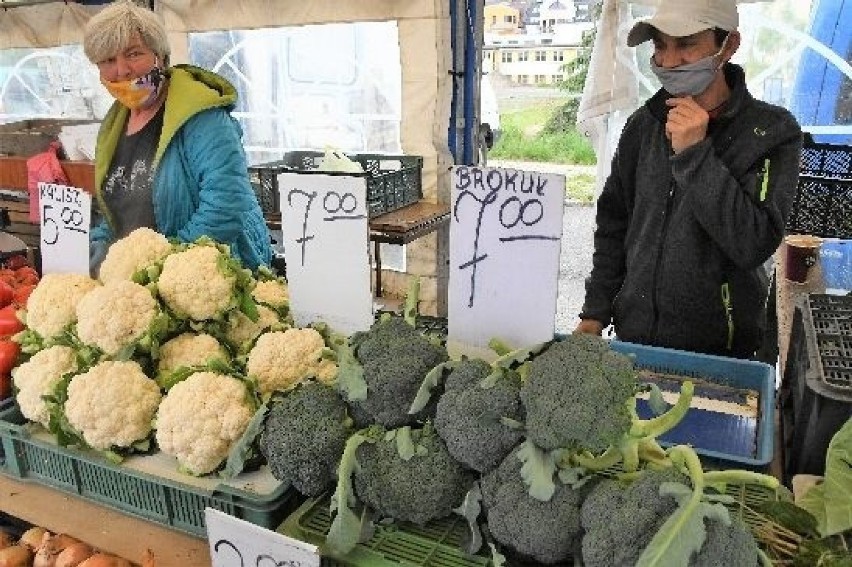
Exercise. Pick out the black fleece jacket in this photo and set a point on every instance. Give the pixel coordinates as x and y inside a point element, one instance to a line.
<point>681,239</point>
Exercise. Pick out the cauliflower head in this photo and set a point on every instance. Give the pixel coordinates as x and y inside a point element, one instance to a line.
<point>281,359</point>
<point>271,292</point>
<point>38,376</point>
<point>112,404</point>
<point>201,418</point>
<point>190,349</point>
<point>241,330</point>
<point>115,315</point>
<point>136,251</point>
<point>52,305</point>
<point>194,285</point>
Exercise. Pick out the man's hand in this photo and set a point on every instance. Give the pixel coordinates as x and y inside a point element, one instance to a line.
<point>686,124</point>
<point>589,327</point>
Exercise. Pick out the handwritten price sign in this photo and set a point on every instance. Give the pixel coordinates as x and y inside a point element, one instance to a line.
<point>505,240</point>
<point>65,222</point>
<point>237,543</point>
<point>326,246</point>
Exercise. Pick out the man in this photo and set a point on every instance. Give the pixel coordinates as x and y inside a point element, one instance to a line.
<point>701,184</point>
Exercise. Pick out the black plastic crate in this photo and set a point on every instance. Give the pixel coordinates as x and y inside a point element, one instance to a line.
<point>826,160</point>
<point>393,181</point>
<point>823,202</point>
<point>815,398</point>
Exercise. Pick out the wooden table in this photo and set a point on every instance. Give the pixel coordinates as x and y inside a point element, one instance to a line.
<point>102,527</point>
<point>403,226</point>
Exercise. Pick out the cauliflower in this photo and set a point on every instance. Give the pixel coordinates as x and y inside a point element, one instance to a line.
<point>201,418</point>
<point>189,349</point>
<point>136,251</point>
<point>194,283</point>
<point>242,331</point>
<point>112,405</point>
<point>38,376</point>
<point>116,315</point>
<point>51,307</point>
<point>280,360</point>
<point>272,292</point>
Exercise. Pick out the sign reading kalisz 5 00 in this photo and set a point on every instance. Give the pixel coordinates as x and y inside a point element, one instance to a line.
<point>65,221</point>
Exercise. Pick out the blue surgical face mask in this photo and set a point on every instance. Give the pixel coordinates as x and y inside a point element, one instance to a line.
<point>690,79</point>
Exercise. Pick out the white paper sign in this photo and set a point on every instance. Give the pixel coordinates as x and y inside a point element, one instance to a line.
<point>66,215</point>
<point>237,543</point>
<point>326,247</point>
<point>505,240</point>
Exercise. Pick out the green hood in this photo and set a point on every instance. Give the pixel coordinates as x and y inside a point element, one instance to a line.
<point>191,90</point>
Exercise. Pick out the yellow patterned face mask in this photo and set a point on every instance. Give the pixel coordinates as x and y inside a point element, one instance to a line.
<point>137,93</point>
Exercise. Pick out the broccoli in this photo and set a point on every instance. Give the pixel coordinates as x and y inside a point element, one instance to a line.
<point>303,437</point>
<point>469,413</point>
<point>544,530</point>
<point>619,521</point>
<point>575,394</point>
<point>395,358</point>
<point>665,518</point>
<point>407,474</point>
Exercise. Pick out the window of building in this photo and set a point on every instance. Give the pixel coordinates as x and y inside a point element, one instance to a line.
<point>523,56</point>
<point>506,57</point>
<point>559,55</point>
<point>541,56</point>
<point>523,79</point>
<point>493,20</point>
<point>557,78</point>
<point>540,79</point>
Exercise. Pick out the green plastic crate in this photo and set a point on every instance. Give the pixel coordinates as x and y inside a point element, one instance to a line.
<point>436,544</point>
<point>161,500</point>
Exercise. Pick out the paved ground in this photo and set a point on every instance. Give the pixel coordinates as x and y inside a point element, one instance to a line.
<point>576,258</point>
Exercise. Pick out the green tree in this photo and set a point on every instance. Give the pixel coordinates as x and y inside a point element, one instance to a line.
<point>575,71</point>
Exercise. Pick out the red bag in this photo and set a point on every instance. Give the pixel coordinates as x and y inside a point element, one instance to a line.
<point>43,167</point>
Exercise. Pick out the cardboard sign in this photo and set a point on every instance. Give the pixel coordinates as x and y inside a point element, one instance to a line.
<point>66,216</point>
<point>326,247</point>
<point>505,241</point>
<point>237,543</point>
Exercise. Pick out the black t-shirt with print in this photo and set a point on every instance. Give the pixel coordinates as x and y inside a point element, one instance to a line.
<point>128,188</point>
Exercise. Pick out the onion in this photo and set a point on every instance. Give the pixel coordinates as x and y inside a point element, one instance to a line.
<point>33,537</point>
<point>16,556</point>
<point>6,540</point>
<point>50,549</point>
<point>104,560</point>
<point>74,554</point>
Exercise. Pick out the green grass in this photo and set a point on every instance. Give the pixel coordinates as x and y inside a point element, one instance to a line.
<point>523,139</point>
<point>580,188</point>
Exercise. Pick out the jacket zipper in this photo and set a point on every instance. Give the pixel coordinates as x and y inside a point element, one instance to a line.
<point>729,312</point>
<point>654,287</point>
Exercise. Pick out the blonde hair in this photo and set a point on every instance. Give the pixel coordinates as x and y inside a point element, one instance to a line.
<point>110,31</point>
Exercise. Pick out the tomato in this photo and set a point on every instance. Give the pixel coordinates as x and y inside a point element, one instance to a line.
<point>16,261</point>
<point>6,294</point>
<point>5,386</point>
<point>8,276</point>
<point>26,275</point>
<point>22,294</point>
<point>9,322</point>
<point>9,351</point>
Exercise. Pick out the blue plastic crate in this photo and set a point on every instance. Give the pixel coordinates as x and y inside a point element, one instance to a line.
<point>724,441</point>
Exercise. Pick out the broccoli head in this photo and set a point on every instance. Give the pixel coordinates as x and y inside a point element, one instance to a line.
<point>619,521</point>
<point>576,394</point>
<point>395,357</point>
<point>304,435</point>
<point>468,416</point>
<point>408,474</point>
<point>545,531</point>
<point>727,544</point>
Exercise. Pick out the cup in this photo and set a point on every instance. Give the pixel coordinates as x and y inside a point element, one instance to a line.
<point>801,252</point>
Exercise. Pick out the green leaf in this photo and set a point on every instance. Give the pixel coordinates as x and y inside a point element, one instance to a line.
<point>656,402</point>
<point>470,509</point>
<point>412,297</point>
<point>831,501</point>
<point>248,306</point>
<point>537,470</point>
<point>404,443</point>
<point>245,447</point>
<point>432,380</point>
<point>350,374</point>
<point>345,528</point>
<point>497,558</point>
<point>656,426</point>
<point>790,516</point>
<point>516,357</point>
<point>167,380</point>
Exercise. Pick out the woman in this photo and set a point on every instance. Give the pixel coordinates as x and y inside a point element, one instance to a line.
<point>169,155</point>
